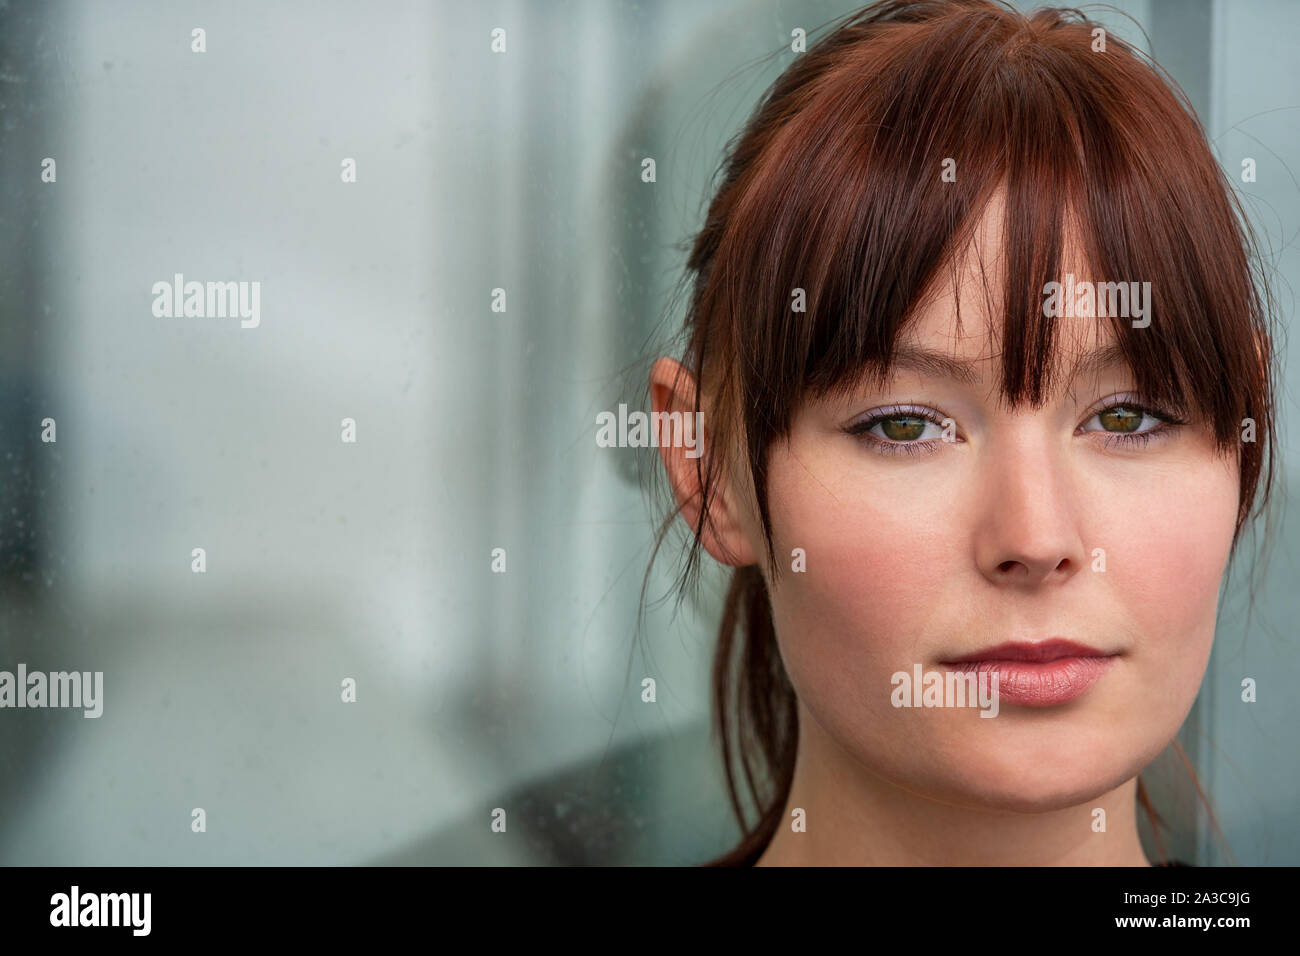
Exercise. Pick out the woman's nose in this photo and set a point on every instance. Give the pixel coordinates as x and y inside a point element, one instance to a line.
<point>1027,528</point>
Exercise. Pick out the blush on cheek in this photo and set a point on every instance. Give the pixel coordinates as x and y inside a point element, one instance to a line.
<point>1178,537</point>
<point>1166,568</point>
<point>873,580</point>
<point>876,554</point>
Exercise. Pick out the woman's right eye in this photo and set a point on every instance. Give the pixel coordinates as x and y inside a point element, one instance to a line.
<point>900,430</point>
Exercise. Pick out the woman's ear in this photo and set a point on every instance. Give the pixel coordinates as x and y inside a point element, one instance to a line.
<point>672,398</point>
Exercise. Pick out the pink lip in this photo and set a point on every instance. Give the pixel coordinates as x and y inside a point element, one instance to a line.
<point>1038,675</point>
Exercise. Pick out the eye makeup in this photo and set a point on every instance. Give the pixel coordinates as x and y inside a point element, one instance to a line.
<point>902,426</point>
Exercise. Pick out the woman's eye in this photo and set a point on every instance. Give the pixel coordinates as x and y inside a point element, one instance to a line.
<point>1122,423</point>
<point>1120,418</point>
<point>903,427</point>
<point>900,430</point>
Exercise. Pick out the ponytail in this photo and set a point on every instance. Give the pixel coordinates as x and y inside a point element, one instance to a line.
<point>754,713</point>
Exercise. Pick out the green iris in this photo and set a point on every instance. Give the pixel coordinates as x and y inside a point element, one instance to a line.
<point>902,427</point>
<point>1126,418</point>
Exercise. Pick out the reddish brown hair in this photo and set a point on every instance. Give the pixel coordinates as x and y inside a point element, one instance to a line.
<point>834,186</point>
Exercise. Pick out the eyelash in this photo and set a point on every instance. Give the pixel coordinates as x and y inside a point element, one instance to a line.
<point>883,446</point>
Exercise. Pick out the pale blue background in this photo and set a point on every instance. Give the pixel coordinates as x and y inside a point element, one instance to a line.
<point>476,429</point>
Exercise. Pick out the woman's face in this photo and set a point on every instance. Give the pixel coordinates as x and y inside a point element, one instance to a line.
<point>1026,527</point>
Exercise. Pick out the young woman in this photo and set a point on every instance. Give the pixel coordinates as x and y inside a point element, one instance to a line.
<point>984,362</point>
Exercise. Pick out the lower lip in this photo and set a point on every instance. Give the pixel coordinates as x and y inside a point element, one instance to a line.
<point>1040,683</point>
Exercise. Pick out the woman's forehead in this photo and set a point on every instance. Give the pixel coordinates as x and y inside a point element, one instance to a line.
<point>936,342</point>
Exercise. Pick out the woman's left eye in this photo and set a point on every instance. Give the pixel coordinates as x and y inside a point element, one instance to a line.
<point>1121,422</point>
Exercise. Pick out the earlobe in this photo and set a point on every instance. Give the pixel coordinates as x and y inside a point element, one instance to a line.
<point>673,390</point>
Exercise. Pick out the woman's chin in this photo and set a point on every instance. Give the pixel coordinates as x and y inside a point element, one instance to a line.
<point>1040,788</point>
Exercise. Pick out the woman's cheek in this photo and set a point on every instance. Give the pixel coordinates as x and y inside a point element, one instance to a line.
<point>873,567</point>
<point>1164,567</point>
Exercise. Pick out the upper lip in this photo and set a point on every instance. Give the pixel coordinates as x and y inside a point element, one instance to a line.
<point>1036,651</point>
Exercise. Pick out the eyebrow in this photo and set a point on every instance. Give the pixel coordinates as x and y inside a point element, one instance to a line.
<point>931,362</point>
